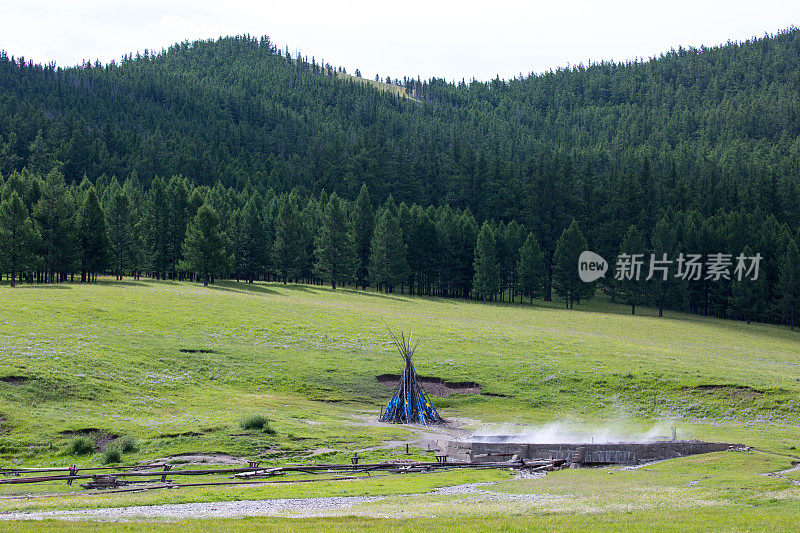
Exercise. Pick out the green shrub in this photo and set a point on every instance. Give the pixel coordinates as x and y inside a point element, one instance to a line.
<point>256,422</point>
<point>112,454</point>
<point>80,446</point>
<point>127,445</point>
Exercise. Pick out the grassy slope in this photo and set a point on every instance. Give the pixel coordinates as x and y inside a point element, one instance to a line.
<point>107,357</point>
<point>383,87</point>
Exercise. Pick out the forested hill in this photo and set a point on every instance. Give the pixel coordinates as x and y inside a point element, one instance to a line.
<point>707,128</point>
<point>472,190</point>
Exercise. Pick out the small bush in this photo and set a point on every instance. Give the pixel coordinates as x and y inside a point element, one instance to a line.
<point>112,454</point>
<point>80,446</point>
<point>127,445</point>
<point>256,422</point>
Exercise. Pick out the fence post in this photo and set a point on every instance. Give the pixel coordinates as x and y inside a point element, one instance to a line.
<point>164,476</point>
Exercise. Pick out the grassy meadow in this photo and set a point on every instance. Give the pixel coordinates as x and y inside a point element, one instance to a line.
<point>177,366</point>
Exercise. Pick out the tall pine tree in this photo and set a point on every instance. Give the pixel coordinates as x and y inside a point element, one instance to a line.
<point>748,299</point>
<point>156,229</point>
<point>204,249</point>
<point>335,252</point>
<point>387,261</point>
<point>565,266</point>
<point>486,282</point>
<point>55,215</point>
<point>790,283</point>
<point>531,272</point>
<point>663,245</point>
<point>120,232</point>
<point>19,238</point>
<point>251,242</point>
<point>632,285</point>
<point>363,226</point>
<point>93,232</point>
<point>289,252</point>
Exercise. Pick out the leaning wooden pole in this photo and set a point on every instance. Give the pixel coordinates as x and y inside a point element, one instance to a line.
<point>410,403</point>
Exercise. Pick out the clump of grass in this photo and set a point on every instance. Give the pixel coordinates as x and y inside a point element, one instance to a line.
<point>127,444</point>
<point>114,450</point>
<point>80,446</point>
<point>112,454</point>
<point>256,422</point>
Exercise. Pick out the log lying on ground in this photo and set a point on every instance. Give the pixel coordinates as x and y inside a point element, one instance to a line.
<point>114,477</point>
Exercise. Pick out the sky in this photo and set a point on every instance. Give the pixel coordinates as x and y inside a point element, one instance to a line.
<point>451,40</point>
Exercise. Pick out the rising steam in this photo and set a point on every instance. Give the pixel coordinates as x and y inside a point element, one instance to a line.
<point>562,432</point>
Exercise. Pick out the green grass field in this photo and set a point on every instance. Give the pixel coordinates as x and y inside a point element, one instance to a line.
<point>107,359</point>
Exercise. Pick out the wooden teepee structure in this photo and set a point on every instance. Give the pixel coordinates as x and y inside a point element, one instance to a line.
<point>409,403</point>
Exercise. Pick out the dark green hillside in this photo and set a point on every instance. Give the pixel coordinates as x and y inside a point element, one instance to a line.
<point>723,121</point>
<point>695,151</point>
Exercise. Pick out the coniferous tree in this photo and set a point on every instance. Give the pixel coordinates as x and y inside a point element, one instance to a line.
<point>289,250</point>
<point>204,249</point>
<point>156,229</point>
<point>311,221</point>
<point>335,253</point>
<point>19,238</point>
<point>632,285</point>
<point>120,232</point>
<point>363,226</point>
<point>387,261</point>
<point>503,252</point>
<point>40,160</point>
<point>177,198</point>
<point>238,244</point>
<point>252,246</point>
<point>663,242</point>
<point>565,266</point>
<point>487,272</point>
<point>427,252</point>
<point>748,299</point>
<point>790,283</point>
<point>93,237</point>
<point>55,217</point>
<point>515,236</point>
<point>406,221</point>
<point>137,197</point>
<point>196,201</point>
<point>468,235</point>
<point>531,272</point>
<point>449,244</point>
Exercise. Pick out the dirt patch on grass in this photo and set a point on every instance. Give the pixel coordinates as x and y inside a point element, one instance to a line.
<point>729,391</point>
<point>201,459</point>
<point>176,435</point>
<point>14,380</point>
<point>100,439</point>
<point>435,386</point>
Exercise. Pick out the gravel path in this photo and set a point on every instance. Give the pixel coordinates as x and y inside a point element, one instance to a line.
<point>473,494</point>
<point>297,507</point>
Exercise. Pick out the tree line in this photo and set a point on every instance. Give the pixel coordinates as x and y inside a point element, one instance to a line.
<point>54,232</point>
<point>611,144</point>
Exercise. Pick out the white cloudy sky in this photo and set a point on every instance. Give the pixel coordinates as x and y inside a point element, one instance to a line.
<point>454,40</point>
